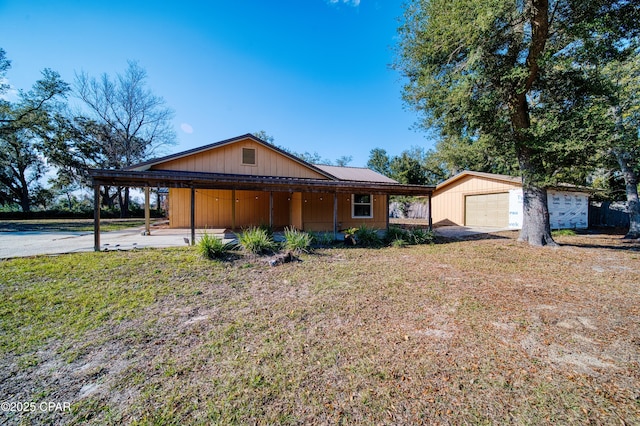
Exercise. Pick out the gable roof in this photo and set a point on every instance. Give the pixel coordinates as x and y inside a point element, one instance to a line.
<point>504,178</point>
<point>509,179</point>
<point>144,166</point>
<point>354,174</point>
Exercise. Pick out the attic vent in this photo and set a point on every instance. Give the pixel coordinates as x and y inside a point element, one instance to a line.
<point>249,156</point>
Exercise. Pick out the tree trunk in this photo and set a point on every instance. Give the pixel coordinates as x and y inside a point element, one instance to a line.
<point>120,202</point>
<point>536,229</point>
<point>535,221</point>
<point>631,184</point>
<point>25,200</point>
<point>108,200</point>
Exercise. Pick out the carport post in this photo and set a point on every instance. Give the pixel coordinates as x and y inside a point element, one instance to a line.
<point>430,216</point>
<point>335,216</point>
<point>96,217</point>
<point>193,216</point>
<point>147,212</point>
<point>271,209</point>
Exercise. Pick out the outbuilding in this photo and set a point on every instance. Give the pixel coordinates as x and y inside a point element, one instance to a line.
<point>493,200</point>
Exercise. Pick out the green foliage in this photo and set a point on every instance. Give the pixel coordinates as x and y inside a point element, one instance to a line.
<point>322,239</point>
<point>297,241</point>
<point>413,236</point>
<point>25,127</point>
<point>398,243</point>
<point>412,166</point>
<point>367,237</point>
<point>421,236</point>
<point>563,232</point>
<point>267,229</point>
<point>517,79</point>
<point>396,233</point>
<point>212,247</point>
<point>257,240</point>
<point>379,161</point>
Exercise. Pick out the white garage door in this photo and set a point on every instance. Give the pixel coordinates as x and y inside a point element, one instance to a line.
<point>487,210</point>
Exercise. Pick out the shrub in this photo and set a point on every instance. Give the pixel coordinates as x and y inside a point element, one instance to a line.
<point>296,241</point>
<point>257,241</point>
<point>396,233</point>
<point>322,239</point>
<point>421,236</point>
<point>367,237</point>
<point>212,247</point>
<point>267,228</point>
<point>398,243</point>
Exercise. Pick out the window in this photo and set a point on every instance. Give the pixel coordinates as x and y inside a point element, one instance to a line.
<point>361,206</point>
<point>249,156</point>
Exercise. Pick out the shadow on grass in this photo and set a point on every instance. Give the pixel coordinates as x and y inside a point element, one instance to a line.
<point>604,238</point>
<point>443,239</point>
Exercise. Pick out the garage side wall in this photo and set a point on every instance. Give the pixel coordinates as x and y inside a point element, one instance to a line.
<point>449,202</point>
<point>567,209</point>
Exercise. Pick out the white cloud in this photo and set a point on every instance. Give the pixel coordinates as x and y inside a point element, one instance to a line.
<point>186,128</point>
<point>11,94</point>
<point>354,3</point>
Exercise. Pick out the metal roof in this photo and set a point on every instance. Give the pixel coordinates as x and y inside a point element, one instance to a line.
<point>180,179</point>
<point>360,174</point>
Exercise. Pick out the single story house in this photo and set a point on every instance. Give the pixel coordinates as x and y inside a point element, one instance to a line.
<point>245,181</point>
<point>492,200</point>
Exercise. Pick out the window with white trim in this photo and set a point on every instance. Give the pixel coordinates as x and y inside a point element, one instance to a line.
<point>361,206</point>
<point>249,156</point>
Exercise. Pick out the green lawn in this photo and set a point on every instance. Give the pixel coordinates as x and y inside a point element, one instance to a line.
<point>488,331</point>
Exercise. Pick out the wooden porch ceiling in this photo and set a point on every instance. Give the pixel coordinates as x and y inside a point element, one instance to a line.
<point>199,180</point>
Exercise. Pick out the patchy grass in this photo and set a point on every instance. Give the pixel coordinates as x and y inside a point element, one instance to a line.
<point>563,233</point>
<point>487,331</point>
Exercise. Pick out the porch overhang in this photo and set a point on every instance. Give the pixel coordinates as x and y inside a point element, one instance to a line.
<point>199,180</point>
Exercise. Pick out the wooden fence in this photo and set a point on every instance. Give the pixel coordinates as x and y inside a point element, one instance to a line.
<point>606,213</point>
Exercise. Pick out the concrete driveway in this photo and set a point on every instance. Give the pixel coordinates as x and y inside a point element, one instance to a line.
<point>32,243</point>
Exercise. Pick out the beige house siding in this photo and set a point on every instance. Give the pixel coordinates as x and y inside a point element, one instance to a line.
<point>317,212</point>
<point>215,209</point>
<point>227,159</point>
<point>448,202</point>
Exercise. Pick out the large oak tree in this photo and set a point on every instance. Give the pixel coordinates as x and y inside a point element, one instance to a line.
<point>502,73</point>
<point>25,125</point>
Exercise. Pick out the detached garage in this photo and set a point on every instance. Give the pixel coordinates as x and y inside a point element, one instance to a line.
<point>492,200</point>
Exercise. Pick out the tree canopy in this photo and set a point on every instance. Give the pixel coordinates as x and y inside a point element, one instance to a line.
<point>513,77</point>
<point>25,126</point>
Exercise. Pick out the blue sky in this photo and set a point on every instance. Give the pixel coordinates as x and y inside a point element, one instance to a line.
<point>314,74</point>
